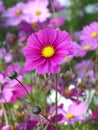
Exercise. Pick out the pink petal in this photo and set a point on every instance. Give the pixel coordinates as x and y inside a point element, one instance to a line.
<point>80,109</point>
<point>30,65</point>
<point>47,36</point>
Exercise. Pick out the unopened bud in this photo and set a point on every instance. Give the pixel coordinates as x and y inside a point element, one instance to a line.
<point>12,75</point>
<point>36,110</point>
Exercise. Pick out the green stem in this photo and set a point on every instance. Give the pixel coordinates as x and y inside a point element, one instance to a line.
<point>56,103</point>
<point>25,90</point>
<point>5,114</point>
<point>9,110</point>
<point>52,7</point>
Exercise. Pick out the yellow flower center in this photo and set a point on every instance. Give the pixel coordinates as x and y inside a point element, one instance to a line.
<point>94,34</point>
<point>68,92</point>
<point>18,11</point>
<point>20,115</point>
<point>48,51</point>
<point>13,127</point>
<point>37,12</point>
<point>69,116</point>
<point>87,47</point>
<point>34,25</point>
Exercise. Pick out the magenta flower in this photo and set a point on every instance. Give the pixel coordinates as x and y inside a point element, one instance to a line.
<point>30,125</point>
<point>75,112</point>
<point>90,33</point>
<point>5,95</point>
<point>94,115</point>
<point>46,49</point>
<point>19,92</point>
<point>68,92</point>
<point>11,94</point>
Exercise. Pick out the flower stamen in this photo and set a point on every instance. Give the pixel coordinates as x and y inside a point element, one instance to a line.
<point>48,51</point>
<point>94,34</point>
<point>69,116</point>
<point>87,47</point>
<point>68,92</point>
<point>37,12</point>
<point>18,12</point>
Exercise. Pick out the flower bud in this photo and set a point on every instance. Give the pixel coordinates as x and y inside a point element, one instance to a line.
<point>36,110</point>
<point>38,128</point>
<point>12,75</point>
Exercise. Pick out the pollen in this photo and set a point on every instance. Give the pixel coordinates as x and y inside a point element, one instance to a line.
<point>68,92</point>
<point>87,47</point>
<point>18,12</point>
<point>37,12</point>
<point>94,34</point>
<point>48,51</point>
<point>69,116</point>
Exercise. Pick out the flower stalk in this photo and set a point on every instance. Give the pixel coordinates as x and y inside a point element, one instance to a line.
<point>56,103</point>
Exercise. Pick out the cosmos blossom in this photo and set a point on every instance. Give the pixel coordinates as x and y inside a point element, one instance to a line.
<point>89,34</point>
<point>13,93</point>
<point>45,50</point>
<point>39,12</point>
<point>15,15</point>
<point>75,112</point>
<point>68,92</point>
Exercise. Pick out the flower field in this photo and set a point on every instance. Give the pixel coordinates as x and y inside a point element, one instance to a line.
<point>48,65</point>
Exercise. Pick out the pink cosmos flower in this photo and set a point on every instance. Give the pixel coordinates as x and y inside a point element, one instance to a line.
<point>11,89</point>
<point>46,50</point>
<point>89,33</point>
<point>15,15</point>
<point>58,21</point>
<point>79,51</point>
<point>89,46</point>
<point>5,96</point>
<point>11,94</point>
<point>75,112</point>
<point>39,12</point>
<point>6,127</point>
